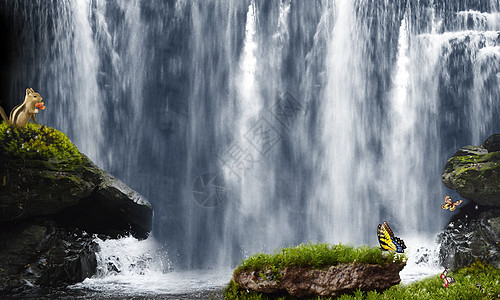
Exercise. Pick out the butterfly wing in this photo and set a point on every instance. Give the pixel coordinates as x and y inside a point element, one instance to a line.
<point>384,238</point>
<point>445,282</point>
<point>400,245</point>
<point>447,202</point>
<point>450,204</point>
<point>387,239</point>
<point>454,205</point>
<point>450,279</point>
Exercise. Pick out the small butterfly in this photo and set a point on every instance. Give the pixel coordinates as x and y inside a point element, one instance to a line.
<point>450,204</point>
<point>447,280</point>
<point>387,239</point>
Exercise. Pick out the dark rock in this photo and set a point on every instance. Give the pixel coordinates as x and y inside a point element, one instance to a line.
<point>326,282</point>
<point>49,210</point>
<point>473,234</point>
<point>39,252</point>
<point>113,209</point>
<point>33,188</point>
<point>492,143</point>
<point>471,150</point>
<point>81,196</point>
<point>134,209</point>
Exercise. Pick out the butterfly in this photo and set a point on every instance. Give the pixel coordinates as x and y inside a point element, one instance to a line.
<point>446,279</point>
<point>450,204</point>
<point>387,239</point>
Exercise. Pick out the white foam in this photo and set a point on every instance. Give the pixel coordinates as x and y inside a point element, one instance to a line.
<point>131,267</point>
<point>127,266</point>
<point>423,259</point>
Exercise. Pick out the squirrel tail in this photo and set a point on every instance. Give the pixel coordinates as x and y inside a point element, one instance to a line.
<point>4,116</point>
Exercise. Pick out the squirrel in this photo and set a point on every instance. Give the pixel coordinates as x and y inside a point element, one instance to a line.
<point>22,113</point>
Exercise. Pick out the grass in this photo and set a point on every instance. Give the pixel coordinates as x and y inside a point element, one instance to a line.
<point>37,142</point>
<point>479,281</point>
<point>317,256</point>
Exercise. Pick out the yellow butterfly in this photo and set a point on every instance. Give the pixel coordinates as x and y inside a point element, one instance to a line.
<point>450,204</point>
<point>387,239</point>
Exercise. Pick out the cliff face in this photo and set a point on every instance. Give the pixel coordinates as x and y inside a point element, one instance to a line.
<point>474,233</point>
<point>52,200</point>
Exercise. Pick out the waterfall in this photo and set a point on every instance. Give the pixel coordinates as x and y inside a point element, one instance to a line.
<point>44,52</point>
<point>252,125</point>
<point>341,161</point>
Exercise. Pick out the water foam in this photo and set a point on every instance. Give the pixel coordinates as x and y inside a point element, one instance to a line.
<point>127,266</point>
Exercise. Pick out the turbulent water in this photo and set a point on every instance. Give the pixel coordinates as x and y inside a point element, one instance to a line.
<point>252,125</point>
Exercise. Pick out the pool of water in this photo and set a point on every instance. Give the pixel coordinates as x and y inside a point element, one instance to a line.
<point>132,269</point>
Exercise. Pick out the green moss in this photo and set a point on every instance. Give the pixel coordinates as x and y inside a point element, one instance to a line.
<point>473,159</point>
<point>479,281</point>
<point>37,142</point>
<point>473,171</point>
<point>317,256</point>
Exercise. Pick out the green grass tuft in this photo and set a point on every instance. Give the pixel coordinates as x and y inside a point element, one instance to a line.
<point>37,142</point>
<point>317,256</point>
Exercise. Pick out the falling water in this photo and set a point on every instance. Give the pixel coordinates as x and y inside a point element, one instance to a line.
<point>252,125</point>
<point>44,52</point>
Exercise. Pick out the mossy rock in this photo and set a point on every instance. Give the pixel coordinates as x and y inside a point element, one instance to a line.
<point>474,172</point>
<point>42,173</point>
<point>50,194</point>
<point>37,142</point>
<point>317,270</point>
<point>35,187</point>
<point>492,143</point>
<point>479,281</point>
<point>471,150</point>
<point>475,177</point>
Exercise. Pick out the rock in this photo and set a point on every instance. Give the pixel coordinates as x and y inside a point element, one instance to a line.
<point>326,282</point>
<point>473,234</point>
<point>112,209</point>
<point>39,252</point>
<point>475,177</point>
<point>492,143</point>
<point>33,188</point>
<point>76,195</point>
<point>135,210</point>
<point>52,200</point>
<point>471,150</point>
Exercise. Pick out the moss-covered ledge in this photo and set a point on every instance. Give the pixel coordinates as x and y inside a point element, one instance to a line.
<point>476,177</point>
<point>311,270</point>
<point>38,142</point>
<point>52,199</point>
<point>474,172</point>
<point>43,174</point>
